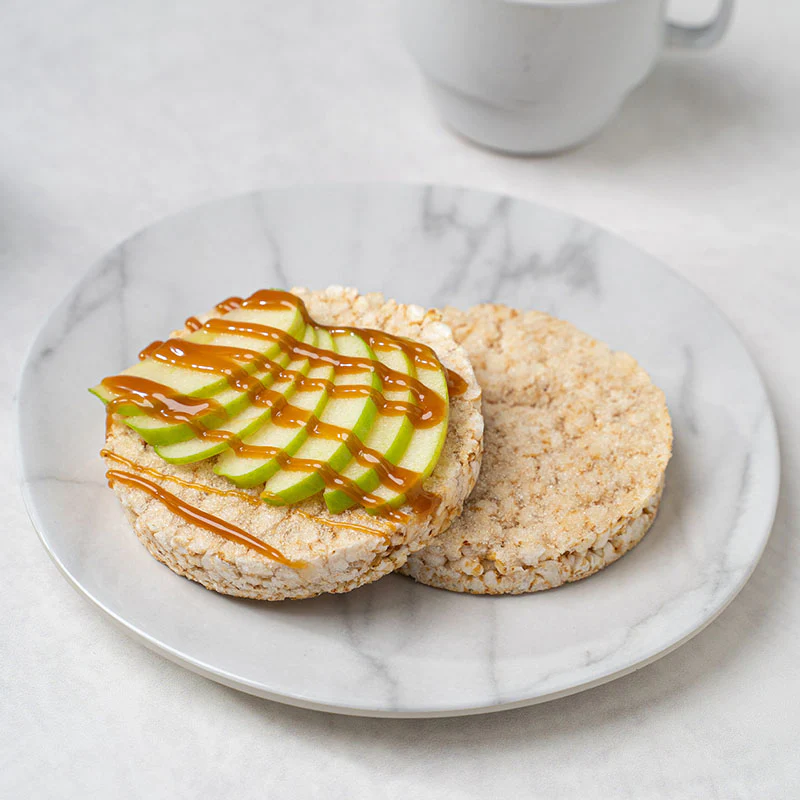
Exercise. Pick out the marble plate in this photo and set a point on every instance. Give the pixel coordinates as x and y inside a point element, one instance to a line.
<point>396,648</point>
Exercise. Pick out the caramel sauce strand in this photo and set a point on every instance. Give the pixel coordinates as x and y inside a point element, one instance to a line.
<point>338,524</point>
<point>215,359</point>
<point>399,478</point>
<point>190,355</point>
<point>192,323</point>
<point>225,361</point>
<point>456,385</point>
<point>196,516</point>
<point>149,350</point>
<point>252,499</point>
<point>158,400</point>
<point>431,406</point>
<point>154,398</point>
<point>228,305</point>
<point>331,478</point>
<point>421,500</point>
<point>422,355</point>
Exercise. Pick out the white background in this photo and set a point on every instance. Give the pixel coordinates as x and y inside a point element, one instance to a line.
<point>114,114</point>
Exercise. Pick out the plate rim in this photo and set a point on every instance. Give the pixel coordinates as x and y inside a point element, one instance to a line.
<point>254,688</point>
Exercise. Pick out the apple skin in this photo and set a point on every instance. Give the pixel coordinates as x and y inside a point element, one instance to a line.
<point>249,472</point>
<point>425,447</point>
<point>355,414</point>
<point>197,384</point>
<point>415,449</point>
<point>250,419</point>
<point>390,435</point>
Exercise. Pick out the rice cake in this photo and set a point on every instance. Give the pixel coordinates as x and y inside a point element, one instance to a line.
<point>577,441</point>
<point>340,552</point>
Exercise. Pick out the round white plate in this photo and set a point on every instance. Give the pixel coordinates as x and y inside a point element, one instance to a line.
<point>396,648</point>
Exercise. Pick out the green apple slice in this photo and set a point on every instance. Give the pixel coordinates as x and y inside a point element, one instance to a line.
<point>355,413</point>
<point>425,447</point>
<point>198,383</point>
<point>202,383</point>
<point>250,419</point>
<point>247,472</point>
<point>390,436</point>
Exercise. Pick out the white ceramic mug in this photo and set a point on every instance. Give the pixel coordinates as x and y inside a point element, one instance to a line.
<point>538,76</point>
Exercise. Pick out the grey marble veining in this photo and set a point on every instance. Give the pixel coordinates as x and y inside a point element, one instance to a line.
<point>393,647</point>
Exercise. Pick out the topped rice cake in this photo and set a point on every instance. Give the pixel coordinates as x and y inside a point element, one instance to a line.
<point>298,550</point>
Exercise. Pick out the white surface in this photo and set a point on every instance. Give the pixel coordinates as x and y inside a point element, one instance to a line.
<point>115,115</point>
<point>397,648</point>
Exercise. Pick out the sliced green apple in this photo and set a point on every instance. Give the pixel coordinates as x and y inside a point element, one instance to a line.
<point>201,383</point>
<point>389,436</point>
<point>247,421</point>
<point>204,387</point>
<point>425,447</point>
<point>354,413</point>
<point>248,472</point>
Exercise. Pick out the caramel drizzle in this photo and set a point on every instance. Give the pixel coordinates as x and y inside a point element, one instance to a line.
<point>224,361</point>
<point>401,480</point>
<point>456,385</point>
<point>420,500</point>
<point>155,399</point>
<point>199,517</point>
<point>149,350</point>
<point>339,524</point>
<point>252,499</point>
<point>159,400</point>
<point>422,355</point>
<point>428,412</point>
<point>229,305</point>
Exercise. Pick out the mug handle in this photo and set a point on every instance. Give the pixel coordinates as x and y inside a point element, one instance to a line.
<point>701,36</point>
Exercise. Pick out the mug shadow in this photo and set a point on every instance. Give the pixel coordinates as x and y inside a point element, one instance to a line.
<point>686,105</point>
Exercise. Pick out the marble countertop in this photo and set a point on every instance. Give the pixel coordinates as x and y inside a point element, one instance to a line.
<point>116,115</point>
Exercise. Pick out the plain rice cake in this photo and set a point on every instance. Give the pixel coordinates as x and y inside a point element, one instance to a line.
<point>577,440</point>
